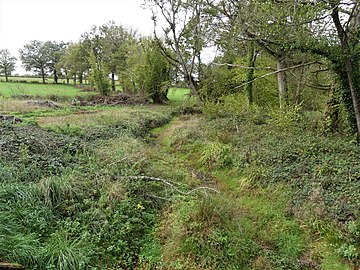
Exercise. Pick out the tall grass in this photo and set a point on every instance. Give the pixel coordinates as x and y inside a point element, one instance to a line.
<point>81,214</point>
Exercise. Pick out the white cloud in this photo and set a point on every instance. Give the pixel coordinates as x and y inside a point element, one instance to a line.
<point>64,20</point>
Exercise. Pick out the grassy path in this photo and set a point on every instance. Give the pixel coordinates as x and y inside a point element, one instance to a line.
<point>246,226</point>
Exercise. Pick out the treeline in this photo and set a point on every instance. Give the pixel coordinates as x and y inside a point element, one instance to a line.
<point>103,55</point>
<point>273,54</point>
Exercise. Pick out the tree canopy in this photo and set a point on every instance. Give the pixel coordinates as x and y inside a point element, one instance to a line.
<point>7,63</point>
<point>300,48</point>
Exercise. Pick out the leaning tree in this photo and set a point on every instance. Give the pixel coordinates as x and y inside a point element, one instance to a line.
<point>184,35</point>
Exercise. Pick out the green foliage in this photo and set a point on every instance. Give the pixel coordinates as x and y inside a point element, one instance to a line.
<point>87,214</point>
<point>63,253</point>
<point>344,90</point>
<point>204,233</point>
<point>216,154</point>
<point>237,107</point>
<point>154,73</point>
<point>307,178</point>
<point>348,251</point>
<point>228,105</point>
<point>180,95</point>
<point>216,83</point>
<point>37,152</point>
<point>7,63</point>
<point>99,75</point>
<point>287,117</point>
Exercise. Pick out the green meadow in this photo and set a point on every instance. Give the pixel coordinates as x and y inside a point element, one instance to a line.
<point>8,89</point>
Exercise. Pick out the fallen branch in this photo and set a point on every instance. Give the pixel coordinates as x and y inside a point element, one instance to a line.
<point>171,184</point>
<point>5,265</point>
<point>45,103</point>
<point>240,66</point>
<point>276,72</point>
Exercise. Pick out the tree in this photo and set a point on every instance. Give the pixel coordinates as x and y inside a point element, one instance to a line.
<point>329,28</point>
<point>115,40</point>
<point>348,61</point>
<point>35,57</point>
<point>108,46</point>
<point>250,72</point>
<point>98,75</point>
<point>129,70</point>
<point>184,35</point>
<point>54,50</point>
<point>74,62</point>
<point>7,63</point>
<point>154,74</point>
<point>265,29</point>
<point>93,44</point>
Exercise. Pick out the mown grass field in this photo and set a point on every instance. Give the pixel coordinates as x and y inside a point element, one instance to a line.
<point>179,95</point>
<point>17,89</point>
<point>33,80</point>
<point>8,89</point>
<point>149,187</point>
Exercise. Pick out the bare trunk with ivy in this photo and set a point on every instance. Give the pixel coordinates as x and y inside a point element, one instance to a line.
<point>348,79</point>
<point>250,71</point>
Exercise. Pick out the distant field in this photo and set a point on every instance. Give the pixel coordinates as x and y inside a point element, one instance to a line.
<point>175,95</point>
<point>12,89</point>
<point>27,79</point>
<point>34,79</point>
<point>179,95</point>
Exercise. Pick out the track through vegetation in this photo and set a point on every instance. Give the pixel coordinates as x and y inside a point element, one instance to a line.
<point>136,188</point>
<point>255,222</point>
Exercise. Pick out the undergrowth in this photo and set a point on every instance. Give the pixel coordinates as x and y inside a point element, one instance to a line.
<point>74,191</point>
<point>65,199</point>
<point>290,196</point>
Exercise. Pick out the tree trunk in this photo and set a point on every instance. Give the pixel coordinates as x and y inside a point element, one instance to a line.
<point>250,71</point>
<point>342,34</point>
<point>81,78</point>
<point>55,76</point>
<point>113,88</point>
<point>281,76</point>
<point>299,86</point>
<point>354,96</point>
<point>191,84</point>
<point>75,79</point>
<point>159,98</point>
<point>6,77</point>
<point>43,75</point>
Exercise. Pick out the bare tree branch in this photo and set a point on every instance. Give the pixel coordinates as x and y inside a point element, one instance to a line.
<point>241,66</point>
<point>276,72</point>
<point>171,184</point>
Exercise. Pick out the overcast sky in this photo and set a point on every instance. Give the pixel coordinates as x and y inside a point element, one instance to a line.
<point>64,20</point>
